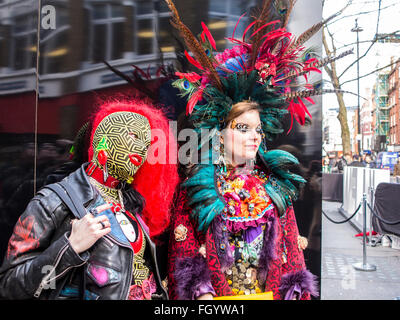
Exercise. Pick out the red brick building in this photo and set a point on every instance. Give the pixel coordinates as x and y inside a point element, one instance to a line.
<point>394,106</point>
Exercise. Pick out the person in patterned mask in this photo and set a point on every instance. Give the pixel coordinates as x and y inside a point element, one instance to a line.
<point>127,200</point>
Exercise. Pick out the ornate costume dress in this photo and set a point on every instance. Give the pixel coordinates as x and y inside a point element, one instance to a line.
<point>236,233</point>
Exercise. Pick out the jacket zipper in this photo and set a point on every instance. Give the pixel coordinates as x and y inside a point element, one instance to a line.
<point>110,238</point>
<point>45,280</point>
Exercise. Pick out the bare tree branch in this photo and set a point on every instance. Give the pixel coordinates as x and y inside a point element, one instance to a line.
<point>368,41</point>
<point>360,13</point>
<point>374,71</point>
<point>369,48</point>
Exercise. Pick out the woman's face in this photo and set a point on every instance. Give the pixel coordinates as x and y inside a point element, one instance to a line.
<point>242,138</point>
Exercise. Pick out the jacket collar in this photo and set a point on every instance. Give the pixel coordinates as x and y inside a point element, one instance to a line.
<point>80,181</point>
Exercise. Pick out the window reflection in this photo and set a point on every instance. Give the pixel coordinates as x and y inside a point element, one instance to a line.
<point>23,35</point>
<point>107,32</point>
<point>18,46</point>
<point>54,44</point>
<point>223,17</point>
<point>72,74</point>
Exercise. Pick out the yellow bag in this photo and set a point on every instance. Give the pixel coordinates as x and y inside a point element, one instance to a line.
<point>256,296</point>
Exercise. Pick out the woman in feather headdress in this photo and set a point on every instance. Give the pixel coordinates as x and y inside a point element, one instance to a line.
<point>234,232</point>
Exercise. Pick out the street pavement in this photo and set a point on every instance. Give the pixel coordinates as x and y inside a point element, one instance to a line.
<point>341,249</point>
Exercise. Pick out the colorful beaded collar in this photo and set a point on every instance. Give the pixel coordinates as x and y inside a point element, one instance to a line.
<point>244,194</point>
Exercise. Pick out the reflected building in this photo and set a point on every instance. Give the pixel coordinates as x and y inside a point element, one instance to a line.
<point>18,86</point>
<point>86,33</point>
<point>394,107</point>
<point>366,122</point>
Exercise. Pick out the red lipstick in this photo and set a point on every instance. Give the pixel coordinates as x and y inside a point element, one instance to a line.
<point>135,159</point>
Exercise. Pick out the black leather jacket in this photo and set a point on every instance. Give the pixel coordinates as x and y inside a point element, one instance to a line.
<point>40,263</point>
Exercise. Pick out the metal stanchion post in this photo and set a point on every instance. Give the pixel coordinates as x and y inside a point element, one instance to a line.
<point>364,266</point>
<point>370,216</point>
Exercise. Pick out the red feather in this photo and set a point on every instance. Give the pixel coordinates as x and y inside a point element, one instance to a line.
<point>299,114</point>
<point>264,26</point>
<point>290,108</point>
<point>197,95</point>
<point>202,37</point>
<point>209,36</point>
<point>237,23</point>
<point>309,100</point>
<point>312,69</point>
<point>248,28</point>
<point>191,77</point>
<point>304,107</point>
<point>193,61</point>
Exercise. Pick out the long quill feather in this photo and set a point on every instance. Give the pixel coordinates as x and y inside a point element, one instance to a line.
<point>194,45</point>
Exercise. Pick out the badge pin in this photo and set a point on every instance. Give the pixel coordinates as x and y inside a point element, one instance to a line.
<point>180,233</point>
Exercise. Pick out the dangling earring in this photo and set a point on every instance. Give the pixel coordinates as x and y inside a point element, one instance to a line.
<point>102,159</point>
<point>105,173</point>
<point>263,142</point>
<point>102,156</point>
<point>221,159</point>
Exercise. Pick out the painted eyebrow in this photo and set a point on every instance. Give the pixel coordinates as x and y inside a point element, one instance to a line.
<point>246,124</point>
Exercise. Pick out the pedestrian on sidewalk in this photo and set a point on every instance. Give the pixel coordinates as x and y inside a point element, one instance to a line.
<point>396,170</point>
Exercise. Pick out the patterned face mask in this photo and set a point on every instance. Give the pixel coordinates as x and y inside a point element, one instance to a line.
<point>125,137</point>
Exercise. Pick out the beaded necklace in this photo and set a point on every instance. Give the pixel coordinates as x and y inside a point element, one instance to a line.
<point>246,200</point>
<point>244,193</point>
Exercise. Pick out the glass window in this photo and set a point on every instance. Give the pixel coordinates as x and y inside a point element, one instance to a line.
<point>154,32</point>
<point>53,52</point>
<point>22,23</point>
<point>99,11</point>
<point>100,42</point>
<point>218,28</point>
<point>223,18</point>
<point>238,7</point>
<point>164,35</point>
<point>118,40</point>
<point>107,32</point>
<point>117,11</point>
<point>145,36</point>
<point>144,7</point>
<point>20,48</point>
<point>24,37</point>
<point>218,6</point>
<point>163,7</point>
<point>54,45</point>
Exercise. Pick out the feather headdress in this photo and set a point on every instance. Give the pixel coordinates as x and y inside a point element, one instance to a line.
<point>263,66</point>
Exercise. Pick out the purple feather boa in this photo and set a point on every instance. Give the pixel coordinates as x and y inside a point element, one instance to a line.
<point>268,252</point>
<point>226,258</point>
<point>191,276</point>
<point>300,282</point>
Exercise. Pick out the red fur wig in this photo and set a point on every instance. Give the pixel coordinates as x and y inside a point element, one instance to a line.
<point>156,182</point>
